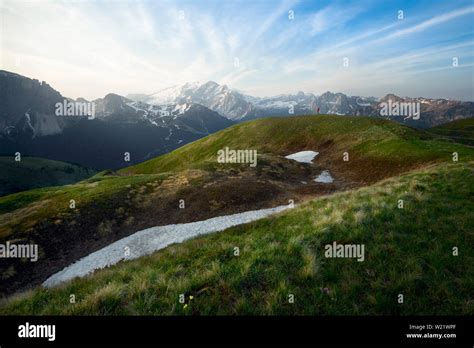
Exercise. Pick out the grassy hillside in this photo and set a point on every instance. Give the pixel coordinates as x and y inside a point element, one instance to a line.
<point>376,147</point>
<point>32,172</point>
<point>25,209</point>
<point>460,131</point>
<point>408,251</point>
<point>112,205</point>
<point>367,137</point>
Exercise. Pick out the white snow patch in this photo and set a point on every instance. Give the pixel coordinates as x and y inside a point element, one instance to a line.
<point>152,239</point>
<point>132,105</point>
<point>181,108</point>
<point>28,122</point>
<point>303,156</point>
<point>169,134</point>
<point>324,177</point>
<point>276,104</point>
<point>166,95</point>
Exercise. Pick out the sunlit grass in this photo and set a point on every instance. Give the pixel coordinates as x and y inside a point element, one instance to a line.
<point>408,251</point>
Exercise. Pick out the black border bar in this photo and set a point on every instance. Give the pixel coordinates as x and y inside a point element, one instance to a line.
<point>241,330</point>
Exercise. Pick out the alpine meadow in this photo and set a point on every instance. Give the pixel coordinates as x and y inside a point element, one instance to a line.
<point>294,171</point>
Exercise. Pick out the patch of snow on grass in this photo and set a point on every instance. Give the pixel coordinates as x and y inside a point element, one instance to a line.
<point>303,156</point>
<point>152,239</point>
<point>324,177</point>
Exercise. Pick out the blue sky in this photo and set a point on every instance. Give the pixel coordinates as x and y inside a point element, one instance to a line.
<point>91,48</point>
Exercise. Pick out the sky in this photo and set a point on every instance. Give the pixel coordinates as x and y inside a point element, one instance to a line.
<point>260,47</point>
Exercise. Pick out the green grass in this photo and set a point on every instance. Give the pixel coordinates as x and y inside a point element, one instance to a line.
<point>24,209</point>
<point>378,148</point>
<point>407,251</point>
<point>32,172</point>
<point>366,139</point>
<point>460,131</point>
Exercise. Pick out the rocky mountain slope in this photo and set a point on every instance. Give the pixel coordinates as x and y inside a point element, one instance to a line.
<point>27,107</point>
<point>220,98</point>
<point>30,124</point>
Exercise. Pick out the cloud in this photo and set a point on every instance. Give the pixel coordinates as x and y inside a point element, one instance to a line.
<point>92,48</point>
<point>429,23</point>
<point>331,17</point>
<point>235,76</point>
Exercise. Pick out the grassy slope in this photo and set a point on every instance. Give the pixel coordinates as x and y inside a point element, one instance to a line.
<point>368,140</point>
<point>22,210</point>
<point>406,252</point>
<point>461,131</point>
<point>34,172</point>
<point>377,148</point>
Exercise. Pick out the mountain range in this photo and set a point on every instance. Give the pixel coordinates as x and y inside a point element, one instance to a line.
<point>240,107</point>
<point>143,126</point>
<point>29,125</point>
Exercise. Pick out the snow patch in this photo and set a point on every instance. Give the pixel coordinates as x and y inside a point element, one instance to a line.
<point>147,241</point>
<point>303,156</point>
<point>324,177</point>
<point>277,104</point>
<point>181,108</point>
<point>28,123</point>
<point>169,134</point>
<point>132,105</point>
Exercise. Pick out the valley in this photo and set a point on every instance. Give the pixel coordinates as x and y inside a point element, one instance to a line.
<point>30,172</point>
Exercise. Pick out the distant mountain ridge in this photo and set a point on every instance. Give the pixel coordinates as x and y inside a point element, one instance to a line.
<point>220,98</point>
<point>240,107</point>
<point>27,106</point>
<point>146,126</point>
<point>29,125</point>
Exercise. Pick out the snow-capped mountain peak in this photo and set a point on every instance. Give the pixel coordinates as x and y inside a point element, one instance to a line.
<point>220,98</point>
<point>235,105</point>
<point>164,96</point>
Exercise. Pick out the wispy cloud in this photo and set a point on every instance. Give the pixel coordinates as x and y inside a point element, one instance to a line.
<point>93,48</point>
<point>331,17</point>
<point>429,23</point>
